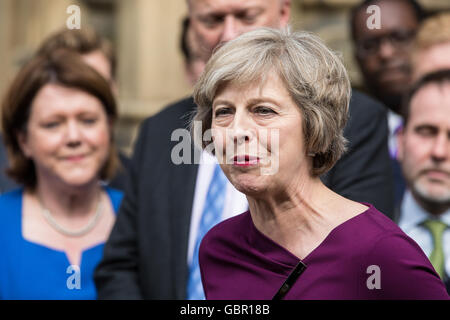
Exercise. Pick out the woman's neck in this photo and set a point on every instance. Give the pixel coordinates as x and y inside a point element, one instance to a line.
<point>64,200</point>
<point>298,217</point>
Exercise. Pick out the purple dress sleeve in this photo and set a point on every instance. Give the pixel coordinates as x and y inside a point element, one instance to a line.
<point>401,271</point>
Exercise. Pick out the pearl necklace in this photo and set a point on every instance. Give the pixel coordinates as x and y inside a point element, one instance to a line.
<point>72,233</point>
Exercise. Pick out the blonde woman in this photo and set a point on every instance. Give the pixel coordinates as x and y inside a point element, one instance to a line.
<point>299,239</point>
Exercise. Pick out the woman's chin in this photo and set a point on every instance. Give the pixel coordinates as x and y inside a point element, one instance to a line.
<point>249,185</point>
<point>78,181</point>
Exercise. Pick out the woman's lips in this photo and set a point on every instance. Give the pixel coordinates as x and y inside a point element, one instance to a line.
<point>76,158</point>
<point>245,161</point>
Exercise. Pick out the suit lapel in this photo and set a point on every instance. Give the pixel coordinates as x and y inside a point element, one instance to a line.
<point>182,188</point>
<point>183,182</point>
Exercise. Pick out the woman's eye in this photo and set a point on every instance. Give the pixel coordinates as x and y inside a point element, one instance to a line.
<point>50,125</point>
<point>89,120</point>
<point>222,111</point>
<point>264,110</point>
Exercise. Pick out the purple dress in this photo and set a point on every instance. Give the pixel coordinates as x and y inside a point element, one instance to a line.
<point>366,257</point>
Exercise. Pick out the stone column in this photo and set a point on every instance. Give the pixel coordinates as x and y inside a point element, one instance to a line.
<point>24,24</point>
<point>150,65</point>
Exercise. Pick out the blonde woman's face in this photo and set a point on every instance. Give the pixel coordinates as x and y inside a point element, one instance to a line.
<point>258,136</point>
<point>68,135</point>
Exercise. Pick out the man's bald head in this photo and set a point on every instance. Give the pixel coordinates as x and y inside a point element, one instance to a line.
<point>218,21</point>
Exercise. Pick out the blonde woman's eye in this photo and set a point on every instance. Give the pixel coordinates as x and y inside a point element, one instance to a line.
<point>264,110</point>
<point>222,112</point>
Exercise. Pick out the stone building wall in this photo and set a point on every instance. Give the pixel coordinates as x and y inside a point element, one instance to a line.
<point>145,34</point>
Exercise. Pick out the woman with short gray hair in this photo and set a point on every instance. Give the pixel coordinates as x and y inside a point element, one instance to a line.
<point>275,104</point>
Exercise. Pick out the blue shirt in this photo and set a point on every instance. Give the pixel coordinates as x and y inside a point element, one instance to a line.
<point>32,271</point>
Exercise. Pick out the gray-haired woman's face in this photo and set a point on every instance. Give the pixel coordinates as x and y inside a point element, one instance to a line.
<point>258,136</point>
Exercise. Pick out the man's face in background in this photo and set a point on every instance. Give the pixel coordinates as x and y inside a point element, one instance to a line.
<point>218,21</point>
<point>383,54</point>
<point>424,147</point>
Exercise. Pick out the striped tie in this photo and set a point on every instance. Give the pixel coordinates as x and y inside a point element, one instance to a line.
<point>211,215</point>
<point>437,229</point>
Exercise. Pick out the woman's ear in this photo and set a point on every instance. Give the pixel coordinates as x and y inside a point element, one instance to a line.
<point>23,143</point>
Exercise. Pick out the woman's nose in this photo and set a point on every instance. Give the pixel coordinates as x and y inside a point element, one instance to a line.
<point>242,130</point>
<point>73,133</point>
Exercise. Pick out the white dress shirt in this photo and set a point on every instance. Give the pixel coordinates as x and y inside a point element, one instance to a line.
<point>235,201</point>
<point>412,215</point>
<point>394,122</point>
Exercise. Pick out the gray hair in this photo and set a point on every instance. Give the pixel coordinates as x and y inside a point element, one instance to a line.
<point>314,76</point>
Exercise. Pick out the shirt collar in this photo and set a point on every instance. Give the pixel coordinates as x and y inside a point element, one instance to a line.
<point>412,214</point>
<point>394,122</point>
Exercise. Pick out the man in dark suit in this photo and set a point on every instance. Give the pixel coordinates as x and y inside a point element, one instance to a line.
<point>147,255</point>
<point>382,53</point>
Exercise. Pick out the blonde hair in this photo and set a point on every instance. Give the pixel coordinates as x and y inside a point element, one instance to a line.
<point>314,76</point>
<point>434,30</point>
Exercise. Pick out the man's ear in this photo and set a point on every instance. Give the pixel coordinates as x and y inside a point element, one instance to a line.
<point>285,13</point>
<point>400,140</point>
<point>114,88</point>
<point>188,74</point>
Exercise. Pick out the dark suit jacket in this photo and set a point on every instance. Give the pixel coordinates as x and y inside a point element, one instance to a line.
<point>364,173</point>
<point>6,184</point>
<point>146,254</point>
<point>399,187</point>
<point>118,182</point>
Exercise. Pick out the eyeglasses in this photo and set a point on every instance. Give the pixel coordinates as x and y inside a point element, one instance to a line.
<point>399,39</point>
